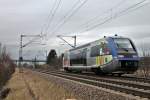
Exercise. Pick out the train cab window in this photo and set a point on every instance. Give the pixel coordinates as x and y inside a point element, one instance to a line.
<point>123,43</point>
<point>95,51</point>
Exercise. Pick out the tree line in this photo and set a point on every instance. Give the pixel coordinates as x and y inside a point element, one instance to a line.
<point>53,60</point>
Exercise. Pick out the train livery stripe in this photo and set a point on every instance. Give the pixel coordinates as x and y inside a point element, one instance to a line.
<point>100,60</point>
<point>96,60</point>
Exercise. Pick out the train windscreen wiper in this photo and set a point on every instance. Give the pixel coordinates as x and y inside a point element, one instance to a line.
<point>125,49</point>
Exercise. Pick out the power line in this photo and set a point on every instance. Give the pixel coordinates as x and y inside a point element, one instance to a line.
<point>52,15</point>
<point>107,19</point>
<point>67,14</point>
<point>36,37</point>
<point>116,15</point>
<point>134,7</point>
<point>67,19</point>
<point>139,7</point>
<point>101,14</point>
<point>49,15</point>
<point>97,17</point>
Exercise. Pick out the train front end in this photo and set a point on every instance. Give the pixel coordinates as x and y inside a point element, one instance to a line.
<point>126,55</point>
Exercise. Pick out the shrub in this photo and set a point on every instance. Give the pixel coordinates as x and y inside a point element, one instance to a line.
<point>7,67</point>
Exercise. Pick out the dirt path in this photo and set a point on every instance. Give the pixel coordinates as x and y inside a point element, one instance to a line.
<point>28,86</point>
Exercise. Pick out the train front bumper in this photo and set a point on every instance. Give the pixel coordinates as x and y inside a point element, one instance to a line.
<point>121,66</point>
<point>128,66</point>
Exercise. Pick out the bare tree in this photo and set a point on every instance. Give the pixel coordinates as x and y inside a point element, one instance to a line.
<point>7,67</point>
<point>144,69</point>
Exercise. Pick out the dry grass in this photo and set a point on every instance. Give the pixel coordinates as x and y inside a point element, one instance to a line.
<point>144,69</point>
<point>19,90</point>
<point>41,88</point>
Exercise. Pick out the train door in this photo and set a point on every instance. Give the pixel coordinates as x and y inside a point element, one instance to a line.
<point>84,57</point>
<point>94,53</point>
<point>65,60</point>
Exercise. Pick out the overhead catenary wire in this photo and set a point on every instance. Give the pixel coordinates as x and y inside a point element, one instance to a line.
<point>95,18</point>
<point>31,41</point>
<point>49,20</point>
<point>139,5</point>
<point>68,13</point>
<point>68,18</point>
<point>48,17</point>
<point>127,10</point>
<point>111,17</point>
<point>51,16</point>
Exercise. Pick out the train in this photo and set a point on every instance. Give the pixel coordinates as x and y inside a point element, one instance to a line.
<point>109,55</point>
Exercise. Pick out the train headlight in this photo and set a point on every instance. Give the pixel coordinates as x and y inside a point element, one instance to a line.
<point>120,56</point>
<point>115,57</point>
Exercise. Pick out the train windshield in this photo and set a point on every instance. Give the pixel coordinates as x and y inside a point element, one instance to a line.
<point>123,43</point>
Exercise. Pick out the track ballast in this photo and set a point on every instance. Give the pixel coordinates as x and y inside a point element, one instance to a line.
<point>130,86</point>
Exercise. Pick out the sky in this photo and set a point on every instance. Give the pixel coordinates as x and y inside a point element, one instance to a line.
<point>84,18</point>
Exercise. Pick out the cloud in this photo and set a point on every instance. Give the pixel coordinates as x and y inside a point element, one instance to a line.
<point>28,16</point>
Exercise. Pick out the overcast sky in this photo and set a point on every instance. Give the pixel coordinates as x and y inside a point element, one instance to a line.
<point>31,16</point>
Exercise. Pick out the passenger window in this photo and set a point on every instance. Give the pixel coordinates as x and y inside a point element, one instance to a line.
<point>95,51</point>
<point>104,50</point>
<point>101,51</point>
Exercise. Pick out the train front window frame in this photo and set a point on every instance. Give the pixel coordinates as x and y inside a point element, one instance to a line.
<point>123,43</point>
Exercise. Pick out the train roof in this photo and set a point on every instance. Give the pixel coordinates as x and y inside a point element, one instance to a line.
<point>117,37</point>
<point>82,46</point>
<point>87,44</point>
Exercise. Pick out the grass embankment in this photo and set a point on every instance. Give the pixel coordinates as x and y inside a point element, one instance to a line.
<point>28,86</point>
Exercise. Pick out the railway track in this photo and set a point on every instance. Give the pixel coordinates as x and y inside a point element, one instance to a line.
<point>124,78</point>
<point>128,78</point>
<point>133,87</point>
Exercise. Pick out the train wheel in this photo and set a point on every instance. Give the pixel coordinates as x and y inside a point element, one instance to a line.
<point>98,72</point>
<point>67,70</point>
<point>112,74</point>
<point>119,74</point>
<point>78,71</point>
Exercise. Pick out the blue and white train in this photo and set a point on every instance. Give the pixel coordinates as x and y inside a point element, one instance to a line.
<point>109,55</point>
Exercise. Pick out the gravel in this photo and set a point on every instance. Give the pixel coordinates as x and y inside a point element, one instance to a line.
<point>87,92</point>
